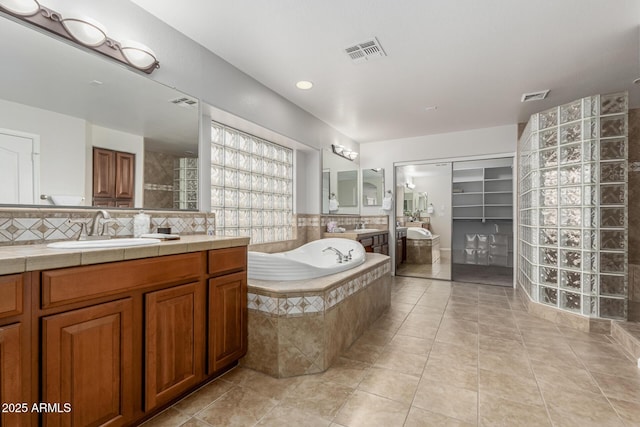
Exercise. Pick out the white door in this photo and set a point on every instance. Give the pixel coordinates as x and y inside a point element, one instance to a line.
<point>18,175</point>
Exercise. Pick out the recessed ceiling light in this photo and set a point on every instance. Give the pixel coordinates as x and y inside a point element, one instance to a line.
<point>637,81</point>
<point>304,85</point>
<point>431,108</point>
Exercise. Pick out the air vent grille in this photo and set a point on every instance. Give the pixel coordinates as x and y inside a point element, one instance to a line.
<point>534,96</point>
<point>365,51</point>
<point>184,101</point>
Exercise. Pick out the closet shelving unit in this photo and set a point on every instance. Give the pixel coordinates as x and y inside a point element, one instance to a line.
<point>483,193</point>
<point>482,212</point>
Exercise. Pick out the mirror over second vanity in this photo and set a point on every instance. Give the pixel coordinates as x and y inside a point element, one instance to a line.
<point>340,184</point>
<point>59,104</point>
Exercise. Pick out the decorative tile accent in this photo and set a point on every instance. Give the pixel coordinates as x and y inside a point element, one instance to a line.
<point>34,225</point>
<point>313,302</point>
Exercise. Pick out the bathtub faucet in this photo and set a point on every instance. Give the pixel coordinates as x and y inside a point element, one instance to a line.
<point>341,256</point>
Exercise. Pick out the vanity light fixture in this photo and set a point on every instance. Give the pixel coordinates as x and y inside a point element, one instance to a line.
<point>84,31</point>
<point>410,186</point>
<point>344,152</point>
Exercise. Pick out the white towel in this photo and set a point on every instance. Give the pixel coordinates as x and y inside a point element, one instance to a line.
<point>333,205</point>
<point>386,203</point>
<point>66,200</point>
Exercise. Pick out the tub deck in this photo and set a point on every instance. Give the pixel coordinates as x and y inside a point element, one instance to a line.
<point>300,327</point>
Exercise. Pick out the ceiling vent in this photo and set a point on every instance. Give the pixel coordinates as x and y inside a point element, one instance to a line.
<point>534,96</point>
<point>184,101</point>
<point>365,51</point>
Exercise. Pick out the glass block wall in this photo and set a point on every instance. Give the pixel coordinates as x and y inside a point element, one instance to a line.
<point>185,183</point>
<point>573,207</point>
<point>251,186</point>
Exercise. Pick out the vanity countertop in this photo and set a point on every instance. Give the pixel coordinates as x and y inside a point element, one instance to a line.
<point>355,234</point>
<point>18,259</point>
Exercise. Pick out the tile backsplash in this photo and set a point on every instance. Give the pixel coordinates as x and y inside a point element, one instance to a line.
<point>27,226</point>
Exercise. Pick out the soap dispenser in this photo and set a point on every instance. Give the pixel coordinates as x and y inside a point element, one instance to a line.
<point>141,224</point>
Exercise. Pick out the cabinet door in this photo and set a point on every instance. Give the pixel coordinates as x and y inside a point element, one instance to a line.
<point>11,381</point>
<point>104,173</point>
<point>87,361</point>
<point>125,175</point>
<point>174,349</point>
<point>227,320</point>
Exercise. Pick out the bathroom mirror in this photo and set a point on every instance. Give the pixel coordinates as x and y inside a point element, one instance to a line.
<point>372,187</point>
<point>340,178</point>
<point>58,102</point>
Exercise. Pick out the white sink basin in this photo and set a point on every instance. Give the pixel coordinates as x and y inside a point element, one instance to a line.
<point>110,243</point>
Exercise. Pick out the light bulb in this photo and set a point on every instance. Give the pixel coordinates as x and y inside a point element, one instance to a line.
<point>21,7</point>
<point>86,31</point>
<point>137,54</point>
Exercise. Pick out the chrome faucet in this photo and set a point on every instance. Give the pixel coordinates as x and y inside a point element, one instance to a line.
<point>101,217</point>
<point>361,225</point>
<point>341,256</point>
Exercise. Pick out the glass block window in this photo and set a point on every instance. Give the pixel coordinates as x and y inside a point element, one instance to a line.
<point>185,183</point>
<point>573,207</point>
<point>251,186</point>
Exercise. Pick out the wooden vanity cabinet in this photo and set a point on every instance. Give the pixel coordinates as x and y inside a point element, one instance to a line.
<point>227,320</point>
<point>15,353</point>
<point>121,341</point>
<point>401,246</point>
<point>174,329</point>
<point>88,362</point>
<point>378,243</point>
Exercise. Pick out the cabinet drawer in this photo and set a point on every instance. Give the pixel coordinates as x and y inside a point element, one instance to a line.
<point>11,295</point>
<point>227,260</point>
<point>69,285</point>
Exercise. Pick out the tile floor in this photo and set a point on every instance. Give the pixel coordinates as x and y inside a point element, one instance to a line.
<point>444,354</point>
<point>438,270</point>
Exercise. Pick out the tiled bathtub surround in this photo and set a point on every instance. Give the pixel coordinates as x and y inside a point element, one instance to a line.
<point>26,226</point>
<point>301,327</point>
<point>573,207</point>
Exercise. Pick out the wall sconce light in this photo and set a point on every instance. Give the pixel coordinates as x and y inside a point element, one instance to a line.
<point>84,31</point>
<point>410,186</point>
<point>344,152</point>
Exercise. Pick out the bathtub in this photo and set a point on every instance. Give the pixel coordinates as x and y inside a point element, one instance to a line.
<point>418,233</point>
<point>306,262</point>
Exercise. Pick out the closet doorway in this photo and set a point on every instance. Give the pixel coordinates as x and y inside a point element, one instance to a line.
<point>455,220</point>
<point>482,236</point>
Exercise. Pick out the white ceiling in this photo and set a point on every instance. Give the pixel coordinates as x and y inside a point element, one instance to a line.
<point>473,59</point>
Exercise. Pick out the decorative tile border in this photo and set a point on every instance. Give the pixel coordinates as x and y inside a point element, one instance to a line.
<point>26,226</point>
<point>315,301</point>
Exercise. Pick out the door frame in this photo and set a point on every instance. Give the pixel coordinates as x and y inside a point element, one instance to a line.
<point>513,154</point>
<point>35,159</point>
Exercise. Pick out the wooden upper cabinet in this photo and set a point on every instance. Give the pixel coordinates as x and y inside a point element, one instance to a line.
<point>87,361</point>
<point>113,178</point>
<point>174,333</point>
<point>125,175</point>
<point>104,173</point>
